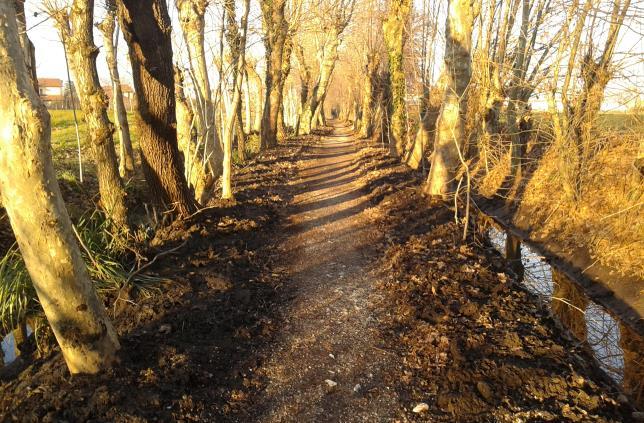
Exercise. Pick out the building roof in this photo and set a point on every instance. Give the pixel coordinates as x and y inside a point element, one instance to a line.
<point>125,88</point>
<point>50,82</point>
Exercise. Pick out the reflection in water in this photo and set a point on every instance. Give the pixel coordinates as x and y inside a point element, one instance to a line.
<point>585,319</point>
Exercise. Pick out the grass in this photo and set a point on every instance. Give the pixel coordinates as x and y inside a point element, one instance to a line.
<point>103,254</point>
<point>63,136</point>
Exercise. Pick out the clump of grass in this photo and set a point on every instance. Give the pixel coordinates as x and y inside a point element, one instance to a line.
<point>17,294</point>
<point>102,252</point>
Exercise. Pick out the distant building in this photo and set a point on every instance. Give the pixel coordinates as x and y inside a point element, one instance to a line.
<point>51,92</point>
<point>129,96</point>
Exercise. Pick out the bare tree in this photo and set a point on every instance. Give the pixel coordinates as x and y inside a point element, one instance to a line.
<point>335,21</point>
<point>395,37</point>
<point>146,27</point>
<point>239,62</point>
<point>450,134</point>
<point>192,21</point>
<point>110,44</point>
<point>34,204</point>
<point>275,28</point>
<point>75,26</point>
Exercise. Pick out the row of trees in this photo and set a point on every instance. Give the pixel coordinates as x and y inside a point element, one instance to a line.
<point>186,142</point>
<point>498,55</point>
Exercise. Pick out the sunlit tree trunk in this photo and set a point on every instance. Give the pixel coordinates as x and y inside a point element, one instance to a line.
<point>305,82</point>
<point>450,134</point>
<point>146,26</point>
<point>233,37</point>
<point>200,180</point>
<point>275,28</point>
<point>259,102</point>
<point>34,204</point>
<point>239,62</point>
<point>368,99</point>
<point>192,21</point>
<point>76,31</point>
<point>107,27</point>
<point>248,120</point>
<point>395,37</point>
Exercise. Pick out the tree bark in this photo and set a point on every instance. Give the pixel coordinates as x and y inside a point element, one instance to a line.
<point>146,27</point>
<point>38,217</point>
<point>107,28</point>
<point>368,98</point>
<point>395,37</point>
<point>450,132</point>
<point>275,27</point>
<point>76,31</point>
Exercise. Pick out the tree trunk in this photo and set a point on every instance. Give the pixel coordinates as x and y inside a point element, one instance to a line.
<point>395,37</point>
<point>28,48</point>
<point>450,133</point>
<point>107,27</point>
<point>238,45</point>
<point>247,108</point>
<point>193,160</point>
<point>192,21</point>
<point>275,27</point>
<point>368,100</point>
<point>146,27</point>
<point>259,103</point>
<point>76,31</point>
<point>34,204</point>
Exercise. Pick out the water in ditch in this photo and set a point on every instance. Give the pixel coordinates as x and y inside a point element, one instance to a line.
<point>600,330</point>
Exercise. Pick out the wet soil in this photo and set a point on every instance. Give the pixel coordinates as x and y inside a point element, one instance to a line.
<point>329,291</point>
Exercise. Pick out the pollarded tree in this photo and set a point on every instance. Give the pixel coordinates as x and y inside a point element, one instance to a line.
<point>450,127</point>
<point>110,43</point>
<point>395,37</point>
<point>40,222</point>
<point>275,28</point>
<point>75,26</point>
<point>146,27</point>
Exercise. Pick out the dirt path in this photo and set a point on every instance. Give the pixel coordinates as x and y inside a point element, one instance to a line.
<point>330,336</point>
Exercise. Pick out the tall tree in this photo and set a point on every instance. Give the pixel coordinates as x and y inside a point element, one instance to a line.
<point>38,217</point>
<point>146,27</point>
<point>239,63</point>
<point>275,28</point>
<point>450,127</point>
<point>336,22</point>
<point>234,45</point>
<point>110,44</point>
<point>395,37</point>
<point>75,26</point>
<point>192,21</point>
